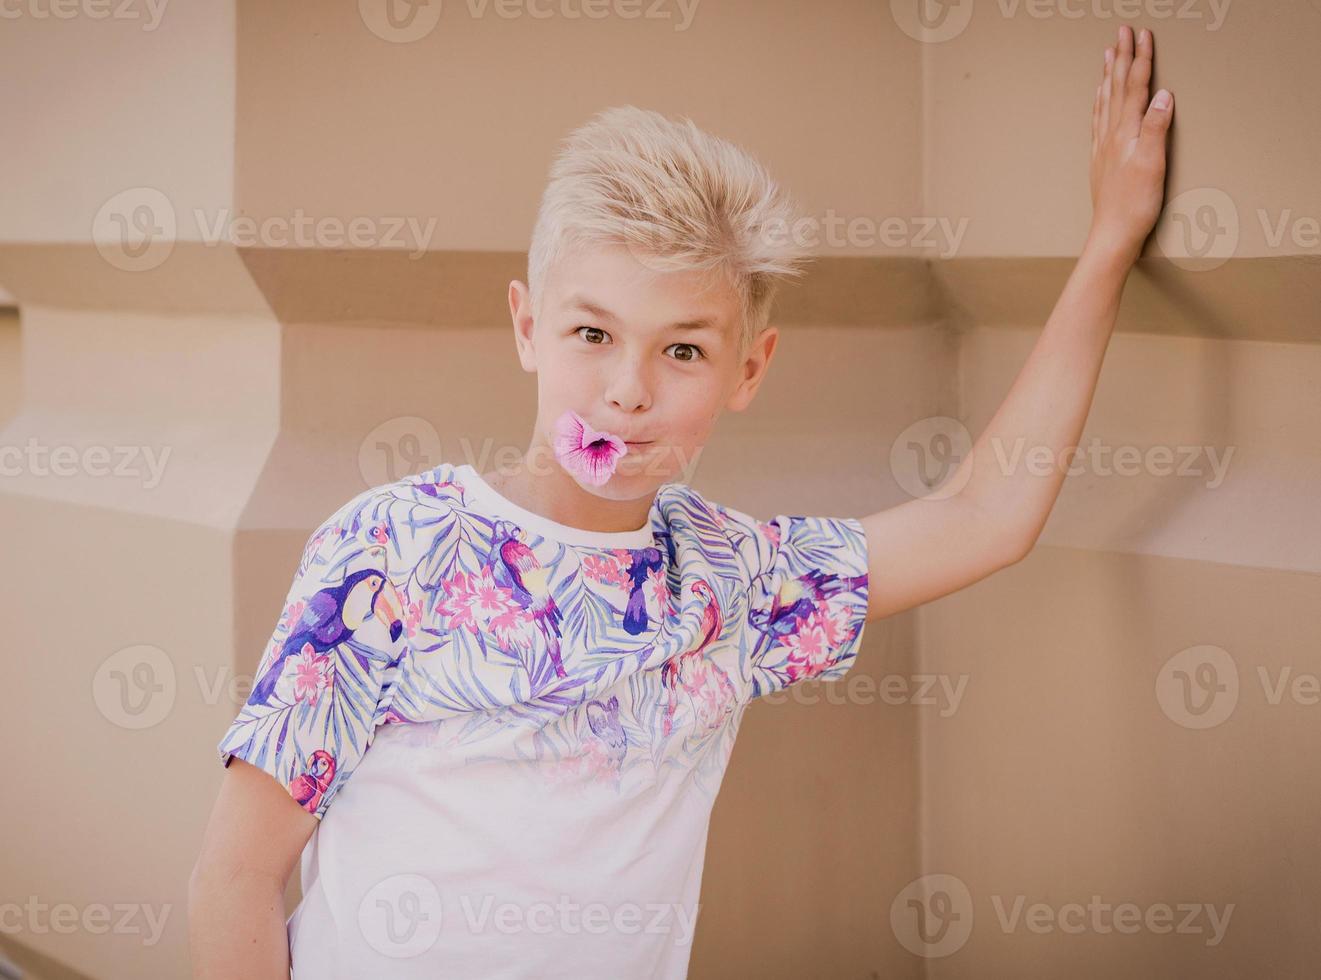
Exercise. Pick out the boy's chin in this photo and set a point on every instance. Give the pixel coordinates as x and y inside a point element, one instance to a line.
<point>625,484</point>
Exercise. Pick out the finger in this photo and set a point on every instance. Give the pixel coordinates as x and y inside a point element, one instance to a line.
<point>1156,123</point>
<point>1138,93</point>
<point>1105,90</point>
<point>1119,72</point>
<point>1096,119</point>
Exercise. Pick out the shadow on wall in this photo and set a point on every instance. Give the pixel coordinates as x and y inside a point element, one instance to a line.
<point>11,375</point>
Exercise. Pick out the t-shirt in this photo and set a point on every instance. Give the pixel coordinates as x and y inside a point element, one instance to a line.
<point>549,711</point>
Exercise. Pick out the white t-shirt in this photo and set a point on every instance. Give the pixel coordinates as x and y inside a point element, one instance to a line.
<point>550,711</point>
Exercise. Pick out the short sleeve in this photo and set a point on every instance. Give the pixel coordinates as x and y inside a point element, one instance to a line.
<point>326,677</point>
<point>807,595</point>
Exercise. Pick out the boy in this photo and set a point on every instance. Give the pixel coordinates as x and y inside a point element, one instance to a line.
<point>550,666</point>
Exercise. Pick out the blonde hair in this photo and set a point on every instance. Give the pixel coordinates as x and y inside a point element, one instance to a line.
<point>677,197</point>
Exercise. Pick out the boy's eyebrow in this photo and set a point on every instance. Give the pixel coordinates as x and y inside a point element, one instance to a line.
<point>587,306</point>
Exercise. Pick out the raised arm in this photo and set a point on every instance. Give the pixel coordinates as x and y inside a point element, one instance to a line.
<point>928,547</point>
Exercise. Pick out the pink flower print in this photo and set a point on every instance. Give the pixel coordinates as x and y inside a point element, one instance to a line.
<point>771,530</point>
<point>592,764</point>
<point>811,642</point>
<point>292,613</point>
<point>589,455</point>
<point>412,617</point>
<point>474,602</point>
<point>607,569</point>
<point>312,674</point>
<point>712,699</point>
<point>658,590</point>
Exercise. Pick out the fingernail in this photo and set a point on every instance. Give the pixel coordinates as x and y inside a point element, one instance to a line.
<point>1162,100</point>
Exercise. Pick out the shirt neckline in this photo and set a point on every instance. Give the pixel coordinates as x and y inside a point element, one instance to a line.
<point>502,506</point>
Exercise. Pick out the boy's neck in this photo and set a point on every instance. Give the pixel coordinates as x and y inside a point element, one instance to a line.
<point>548,491</point>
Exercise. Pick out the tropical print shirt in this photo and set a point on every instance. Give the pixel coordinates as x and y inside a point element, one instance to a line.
<point>549,712</point>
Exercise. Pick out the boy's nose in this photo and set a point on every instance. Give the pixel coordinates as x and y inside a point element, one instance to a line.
<point>627,391</point>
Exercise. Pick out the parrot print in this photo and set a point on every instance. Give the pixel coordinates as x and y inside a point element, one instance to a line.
<point>421,602</point>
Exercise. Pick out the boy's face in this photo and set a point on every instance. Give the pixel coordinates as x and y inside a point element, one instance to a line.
<point>609,344</point>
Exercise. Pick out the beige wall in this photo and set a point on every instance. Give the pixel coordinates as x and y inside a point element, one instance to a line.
<point>271,375</point>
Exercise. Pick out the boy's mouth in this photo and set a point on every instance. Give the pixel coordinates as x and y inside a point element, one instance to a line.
<point>590,454</point>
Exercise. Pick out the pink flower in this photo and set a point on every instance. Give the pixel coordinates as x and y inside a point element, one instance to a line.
<point>412,617</point>
<point>811,642</point>
<point>593,763</point>
<point>312,674</point>
<point>474,602</point>
<point>659,590</point>
<point>607,569</point>
<point>292,613</point>
<point>589,455</point>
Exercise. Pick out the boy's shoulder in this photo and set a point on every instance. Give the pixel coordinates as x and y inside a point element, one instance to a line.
<point>390,509</point>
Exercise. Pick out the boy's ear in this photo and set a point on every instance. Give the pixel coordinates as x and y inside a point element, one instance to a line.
<point>753,369</point>
<point>520,312</point>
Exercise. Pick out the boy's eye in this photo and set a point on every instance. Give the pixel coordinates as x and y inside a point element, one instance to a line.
<point>595,330</point>
<point>695,355</point>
